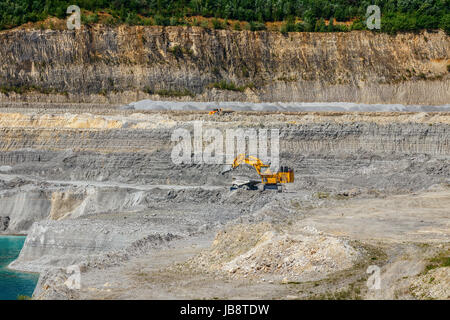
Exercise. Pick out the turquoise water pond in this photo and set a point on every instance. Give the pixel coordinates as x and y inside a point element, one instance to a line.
<point>13,283</point>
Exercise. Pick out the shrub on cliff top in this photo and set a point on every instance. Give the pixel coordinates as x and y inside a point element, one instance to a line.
<point>256,26</point>
<point>217,24</point>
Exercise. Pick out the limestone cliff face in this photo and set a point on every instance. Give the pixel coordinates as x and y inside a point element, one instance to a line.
<point>124,64</point>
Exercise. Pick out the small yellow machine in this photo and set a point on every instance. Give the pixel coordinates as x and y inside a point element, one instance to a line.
<point>269,179</point>
<point>219,111</point>
<point>215,111</point>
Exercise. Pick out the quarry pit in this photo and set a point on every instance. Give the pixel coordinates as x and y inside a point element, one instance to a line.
<point>95,187</point>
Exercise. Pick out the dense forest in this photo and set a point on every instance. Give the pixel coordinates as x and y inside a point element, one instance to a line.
<point>297,15</point>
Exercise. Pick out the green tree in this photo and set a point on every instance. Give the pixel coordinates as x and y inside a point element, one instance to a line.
<point>445,23</point>
<point>330,27</point>
<point>320,26</point>
<point>398,15</point>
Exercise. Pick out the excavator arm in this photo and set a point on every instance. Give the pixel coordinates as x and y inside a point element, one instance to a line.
<point>252,161</point>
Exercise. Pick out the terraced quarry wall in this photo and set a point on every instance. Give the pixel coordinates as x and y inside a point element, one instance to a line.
<point>97,189</point>
<point>137,147</point>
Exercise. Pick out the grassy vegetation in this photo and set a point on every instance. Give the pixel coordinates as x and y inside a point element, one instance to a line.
<point>255,26</point>
<point>350,284</point>
<point>170,92</point>
<point>217,24</point>
<point>179,52</point>
<point>322,195</point>
<point>231,86</point>
<point>353,292</point>
<point>21,89</point>
<point>439,261</point>
<point>23,297</point>
<point>298,15</point>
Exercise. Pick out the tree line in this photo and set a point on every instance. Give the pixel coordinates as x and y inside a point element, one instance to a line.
<point>397,15</point>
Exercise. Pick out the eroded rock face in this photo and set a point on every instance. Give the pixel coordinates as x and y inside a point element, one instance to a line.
<point>120,64</point>
<point>21,208</point>
<point>4,223</point>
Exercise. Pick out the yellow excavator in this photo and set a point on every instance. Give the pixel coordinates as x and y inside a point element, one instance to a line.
<point>215,111</point>
<point>269,179</point>
<point>219,112</point>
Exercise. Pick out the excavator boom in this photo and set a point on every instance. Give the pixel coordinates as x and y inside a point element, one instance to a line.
<point>252,161</point>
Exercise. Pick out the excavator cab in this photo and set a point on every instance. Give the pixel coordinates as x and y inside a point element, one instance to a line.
<point>286,174</point>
